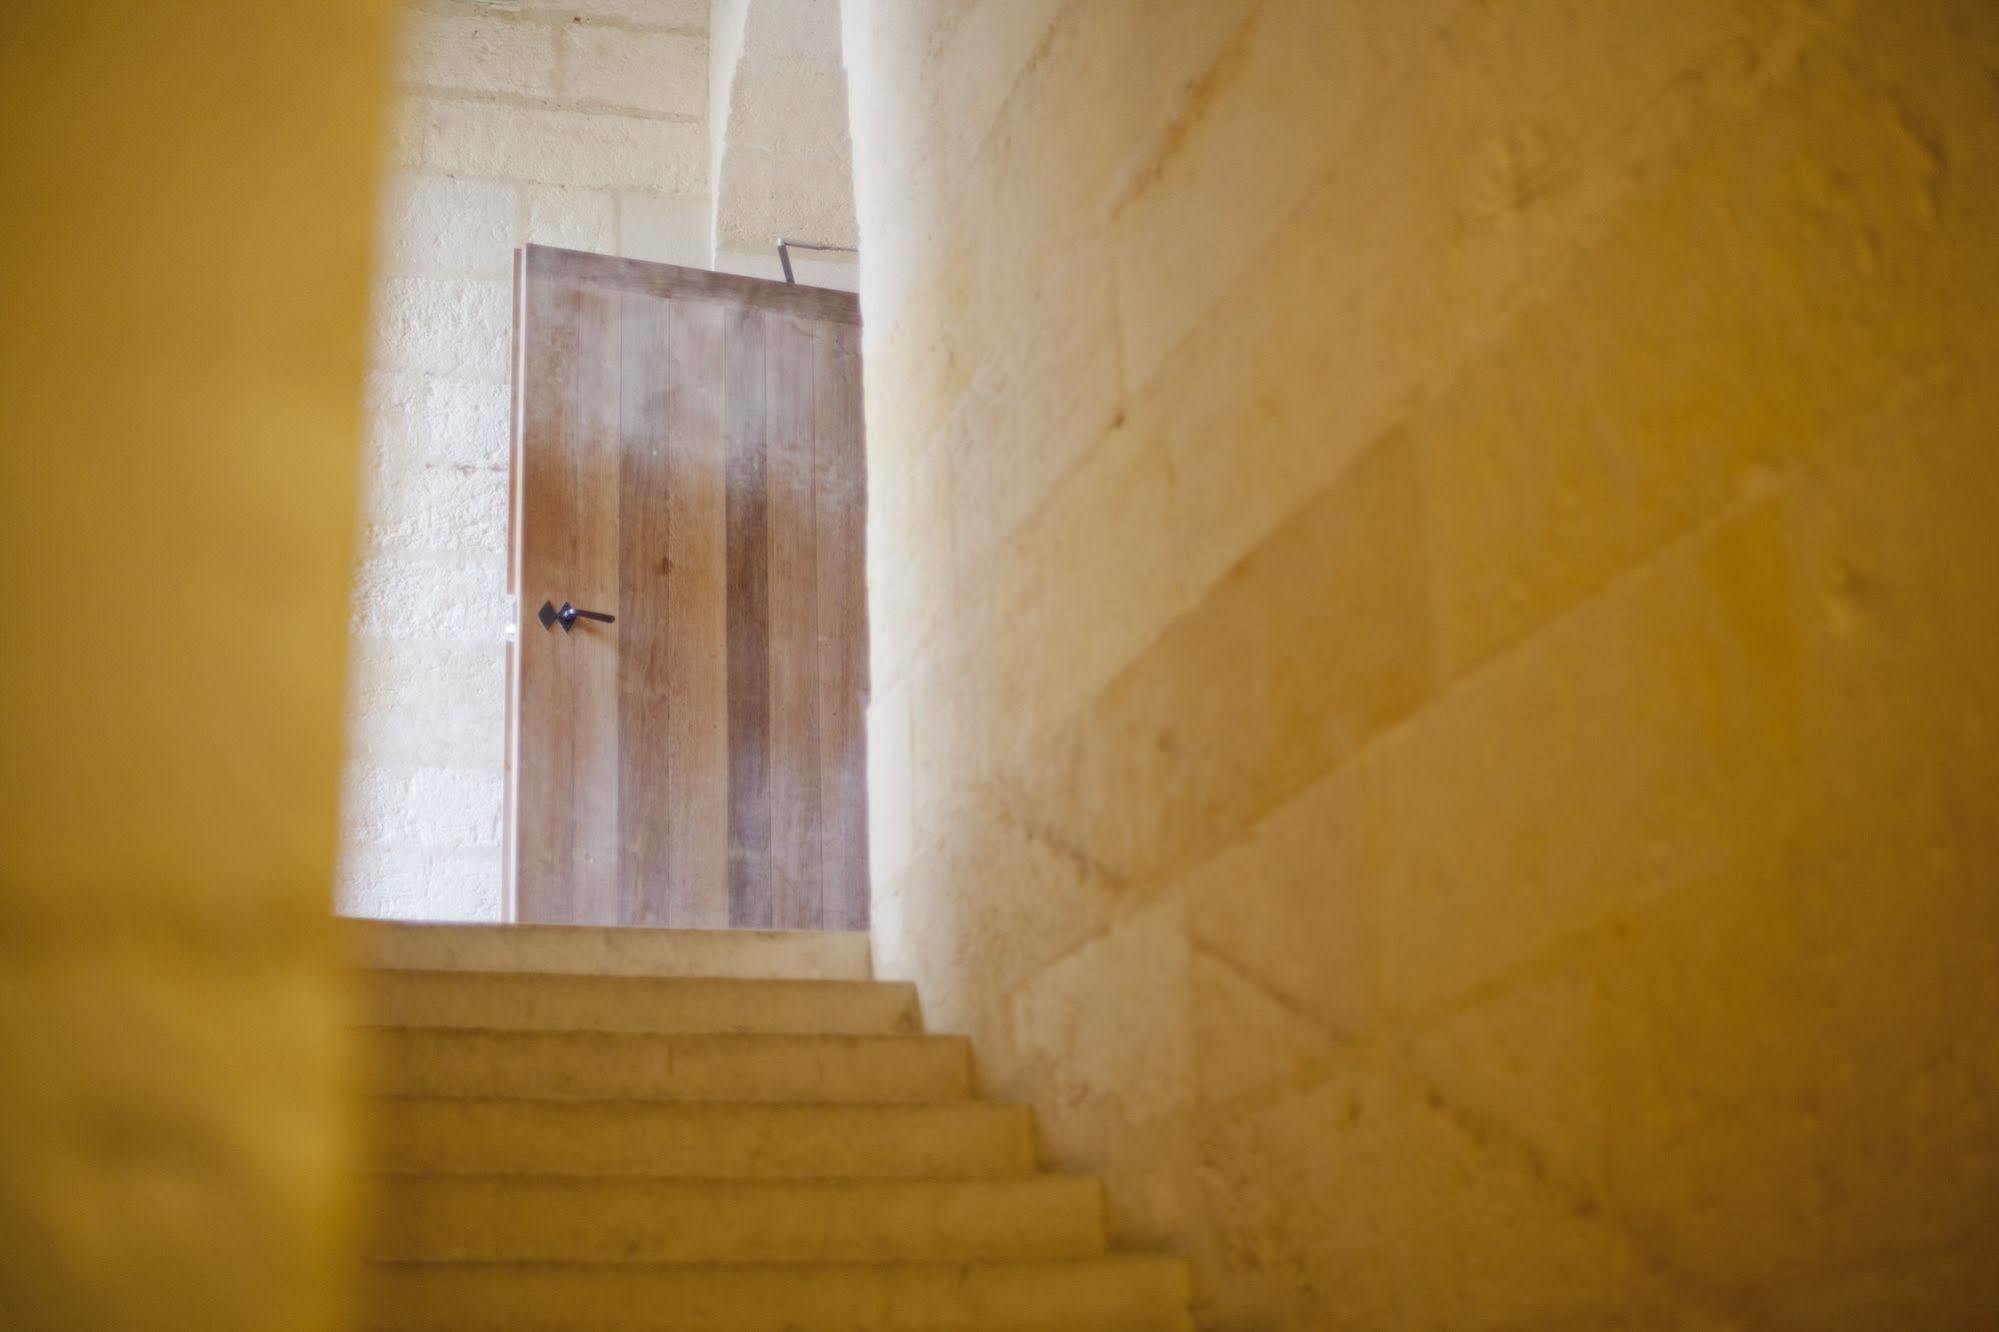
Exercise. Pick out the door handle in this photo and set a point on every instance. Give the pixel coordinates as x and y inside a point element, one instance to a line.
<point>568,616</point>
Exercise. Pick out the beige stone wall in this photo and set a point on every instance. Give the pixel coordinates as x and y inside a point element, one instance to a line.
<point>580,124</point>
<point>1435,681</point>
<point>783,164</point>
<point>183,303</point>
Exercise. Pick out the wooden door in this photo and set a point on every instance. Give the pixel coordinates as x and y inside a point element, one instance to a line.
<point>688,459</point>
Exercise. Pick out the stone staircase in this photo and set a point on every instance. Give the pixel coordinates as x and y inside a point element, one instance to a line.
<point>598,1130</point>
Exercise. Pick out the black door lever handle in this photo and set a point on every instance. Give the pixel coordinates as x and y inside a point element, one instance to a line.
<point>568,616</point>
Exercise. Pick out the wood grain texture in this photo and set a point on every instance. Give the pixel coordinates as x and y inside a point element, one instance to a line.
<point>645,487</point>
<point>516,389</point>
<point>568,741</point>
<point>689,459</point>
<point>697,649</point>
<point>840,523</point>
<point>746,433</point>
<point>510,760</point>
<point>696,284</point>
<point>789,365</point>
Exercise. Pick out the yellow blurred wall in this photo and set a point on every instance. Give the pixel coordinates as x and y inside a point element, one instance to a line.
<point>1436,677</point>
<point>187,196</point>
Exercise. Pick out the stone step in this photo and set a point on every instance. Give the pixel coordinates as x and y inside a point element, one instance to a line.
<point>1166,1323</point>
<point>554,1219</point>
<point>602,951</point>
<point>593,1066</point>
<point>965,1139</point>
<point>1127,1292</point>
<point>1182,1322</point>
<point>529,1001</point>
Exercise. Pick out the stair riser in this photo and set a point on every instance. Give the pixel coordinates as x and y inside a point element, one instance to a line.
<point>593,1066</point>
<point>1121,1292</point>
<point>523,1219</point>
<point>640,1004</point>
<point>593,951</point>
<point>967,1140</point>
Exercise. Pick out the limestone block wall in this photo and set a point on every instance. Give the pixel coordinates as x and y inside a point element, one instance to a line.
<point>580,124</point>
<point>1431,572</point>
<point>782,161</point>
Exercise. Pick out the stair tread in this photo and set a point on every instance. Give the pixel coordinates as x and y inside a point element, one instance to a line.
<point>635,980</point>
<point>829,1186</point>
<point>688,1068</point>
<point>1116,1261</point>
<point>609,950</point>
<point>522,1217</point>
<point>1110,1291</point>
<point>546,1001</point>
<point>1164,1322</point>
<point>652,1105</point>
<point>706,1140</point>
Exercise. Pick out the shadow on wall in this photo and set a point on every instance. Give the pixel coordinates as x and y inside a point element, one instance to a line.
<point>188,211</point>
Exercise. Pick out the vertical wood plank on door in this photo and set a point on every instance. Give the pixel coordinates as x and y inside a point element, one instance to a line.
<point>790,366</point>
<point>840,530</point>
<point>544,840</point>
<point>645,625</point>
<point>568,748</point>
<point>510,762</point>
<point>745,432</point>
<point>697,608</point>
